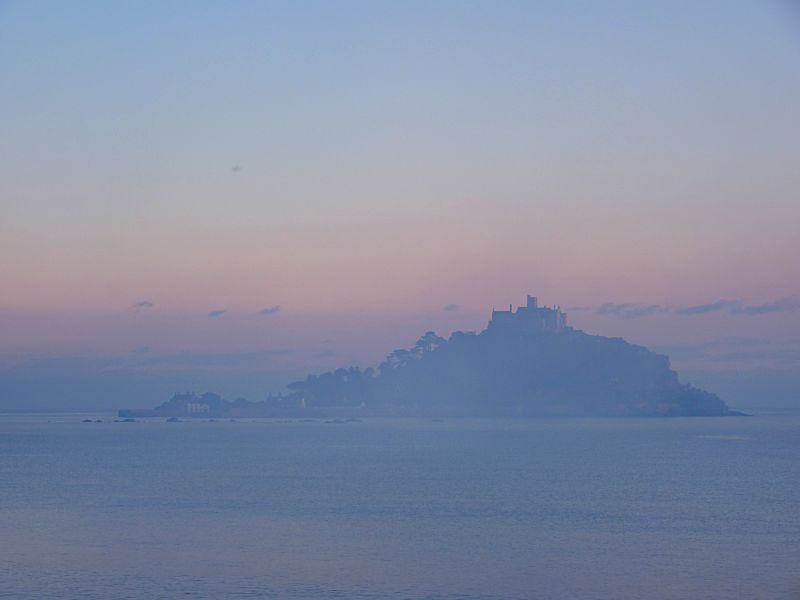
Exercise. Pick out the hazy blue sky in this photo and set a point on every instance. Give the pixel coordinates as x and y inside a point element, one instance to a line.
<point>168,171</point>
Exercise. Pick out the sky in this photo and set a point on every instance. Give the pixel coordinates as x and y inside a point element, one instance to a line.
<point>227,196</point>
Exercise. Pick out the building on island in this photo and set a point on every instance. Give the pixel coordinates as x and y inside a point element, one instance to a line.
<point>529,318</point>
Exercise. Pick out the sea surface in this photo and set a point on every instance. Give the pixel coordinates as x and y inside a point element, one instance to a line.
<point>695,508</point>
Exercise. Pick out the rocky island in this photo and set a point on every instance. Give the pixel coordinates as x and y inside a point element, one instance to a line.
<point>527,362</point>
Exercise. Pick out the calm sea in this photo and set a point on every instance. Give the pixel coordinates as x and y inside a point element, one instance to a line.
<point>590,509</point>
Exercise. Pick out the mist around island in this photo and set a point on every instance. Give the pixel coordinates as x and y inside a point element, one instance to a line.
<point>527,362</point>
<point>744,352</point>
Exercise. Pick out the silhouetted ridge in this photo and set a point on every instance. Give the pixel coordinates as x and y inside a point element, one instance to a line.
<point>527,362</point>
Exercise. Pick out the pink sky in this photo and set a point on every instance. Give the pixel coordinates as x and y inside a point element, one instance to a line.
<point>363,178</point>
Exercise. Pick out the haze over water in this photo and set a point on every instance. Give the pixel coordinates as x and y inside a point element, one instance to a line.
<point>234,197</point>
<point>491,509</point>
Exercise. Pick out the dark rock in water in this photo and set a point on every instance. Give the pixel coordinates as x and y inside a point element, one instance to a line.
<point>99,421</point>
<point>87,421</point>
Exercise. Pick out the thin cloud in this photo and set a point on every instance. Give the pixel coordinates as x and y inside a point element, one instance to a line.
<point>788,304</point>
<point>701,309</point>
<point>142,305</point>
<point>451,307</point>
<point>574,309</point>
<point>272,310</point>
<point>216,313</point>
<point>738,307</point>
<point>628,310</point>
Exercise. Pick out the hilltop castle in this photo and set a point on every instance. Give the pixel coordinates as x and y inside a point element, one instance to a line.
<point>529,318</point>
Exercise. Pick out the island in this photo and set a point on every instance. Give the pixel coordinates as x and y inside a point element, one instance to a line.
<point>527,363</point>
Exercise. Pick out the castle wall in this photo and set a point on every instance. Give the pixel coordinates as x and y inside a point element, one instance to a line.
<point>530,317</point>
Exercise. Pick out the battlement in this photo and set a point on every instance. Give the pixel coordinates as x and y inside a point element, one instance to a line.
<point>530,318</point>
